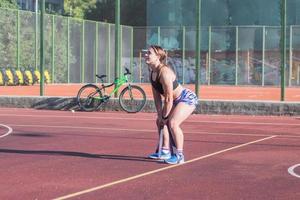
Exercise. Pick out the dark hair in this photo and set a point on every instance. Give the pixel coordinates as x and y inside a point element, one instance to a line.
<point>160,52</point>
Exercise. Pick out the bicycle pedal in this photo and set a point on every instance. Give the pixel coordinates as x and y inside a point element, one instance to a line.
<point>105,98</point>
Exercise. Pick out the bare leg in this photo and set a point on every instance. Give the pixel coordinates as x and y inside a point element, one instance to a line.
<point>165,135</point>
<point>166,140</point>
<point>180,113</point>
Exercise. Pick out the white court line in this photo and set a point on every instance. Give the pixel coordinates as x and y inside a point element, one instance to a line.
<point>152,119</point>
<point>149,130</point>
<point>158,170</point>
<point>10,130</point>
<point>292,172</point>
<point>132,130</point>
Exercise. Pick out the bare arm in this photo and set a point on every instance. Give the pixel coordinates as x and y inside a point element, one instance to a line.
<point>167,83</point>
<point>158,102</point>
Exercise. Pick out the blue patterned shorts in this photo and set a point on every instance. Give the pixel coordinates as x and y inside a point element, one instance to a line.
<point>187,96</point>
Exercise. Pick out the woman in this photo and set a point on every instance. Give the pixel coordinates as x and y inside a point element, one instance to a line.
<point>179,103</point>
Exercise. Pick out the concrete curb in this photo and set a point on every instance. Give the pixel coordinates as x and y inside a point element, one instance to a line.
<point>204,106</point>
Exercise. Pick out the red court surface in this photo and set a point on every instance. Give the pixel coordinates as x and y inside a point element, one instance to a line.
<point>205,92</point>
<point>101,155</point>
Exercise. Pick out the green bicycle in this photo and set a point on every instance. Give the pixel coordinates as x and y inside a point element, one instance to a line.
<point>132,98</point>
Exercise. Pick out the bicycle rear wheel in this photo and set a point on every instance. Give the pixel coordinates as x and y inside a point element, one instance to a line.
<point>89,97</point>
<point>132,99</point>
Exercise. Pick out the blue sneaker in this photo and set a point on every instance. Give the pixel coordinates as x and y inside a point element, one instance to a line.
<point>175,159</point>
<point>163,156</point>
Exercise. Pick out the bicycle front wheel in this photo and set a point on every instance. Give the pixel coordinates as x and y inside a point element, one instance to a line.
<point>89,97</point>
<point>132,99</point>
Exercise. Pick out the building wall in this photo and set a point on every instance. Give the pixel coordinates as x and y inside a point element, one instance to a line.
<point>223,16</point>
<point>220,12</point>
<point>51,5</point>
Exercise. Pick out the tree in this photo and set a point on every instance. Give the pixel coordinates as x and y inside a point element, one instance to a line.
<point>7,33</point>
<point>104,11</point>
<point>8,4</point>
<point>78,8</point>
<point>133,12</point>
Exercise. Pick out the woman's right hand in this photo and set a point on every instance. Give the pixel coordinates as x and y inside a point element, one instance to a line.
<point>160,121</point>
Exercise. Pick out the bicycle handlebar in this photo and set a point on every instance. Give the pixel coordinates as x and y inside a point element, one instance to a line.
<point>100,77</point>
<point>127,71</point>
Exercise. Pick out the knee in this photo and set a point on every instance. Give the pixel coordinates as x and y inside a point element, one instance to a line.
<point>173,124</point>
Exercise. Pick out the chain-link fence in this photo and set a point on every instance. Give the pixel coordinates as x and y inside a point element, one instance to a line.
<point>76,50</point>
<point>231,55</point>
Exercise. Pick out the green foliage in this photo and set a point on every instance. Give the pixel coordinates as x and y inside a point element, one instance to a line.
<point>78,8</point>
<point>7,33</point>
<point>8,4</point>
<point>8,42</point>
<point>104,11</point>
<point>133,12</point>
<point>7,37</point>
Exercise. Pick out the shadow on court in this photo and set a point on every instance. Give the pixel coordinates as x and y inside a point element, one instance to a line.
<point>76,154</point>
<point>39,135</point>
<point>200,141</point>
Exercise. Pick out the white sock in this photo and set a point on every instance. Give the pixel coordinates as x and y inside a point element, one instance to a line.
<point>165,150</point>
<point>180,151</point>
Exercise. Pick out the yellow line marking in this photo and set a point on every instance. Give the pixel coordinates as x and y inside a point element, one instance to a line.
<point>158,170</point>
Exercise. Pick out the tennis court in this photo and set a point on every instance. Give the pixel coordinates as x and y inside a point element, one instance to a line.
<point>102,155</point>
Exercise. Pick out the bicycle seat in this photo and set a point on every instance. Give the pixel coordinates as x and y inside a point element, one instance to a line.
<point>101,77</point>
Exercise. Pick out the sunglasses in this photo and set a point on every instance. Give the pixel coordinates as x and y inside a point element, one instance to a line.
<point>145,51</point>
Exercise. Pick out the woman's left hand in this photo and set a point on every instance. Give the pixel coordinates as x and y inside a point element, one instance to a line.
<point>161,122</point>
<point>164,121</point>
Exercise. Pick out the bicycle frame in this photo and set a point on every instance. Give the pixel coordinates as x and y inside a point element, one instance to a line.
<point>118,83</point>
<point>132,98</point>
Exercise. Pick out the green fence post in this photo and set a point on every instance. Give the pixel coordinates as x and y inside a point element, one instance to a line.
<point>121,50</point>
<point>36,36</point>
<point>209,54</point>
<point>198,47</point>
<point>183,53</point>
<point>248,66</point>
<point>42,50</point>
<point>140,66</point>
<point>53,52</point>
<point>131,54</point>
<point>68,49</point>
<point>263,57</point>
<point>117,40</point>
<point>283,48</point>
<point>96,51</point>
<point>108,54</point>
<point>18,39</point>
<point>236,54</point>
<point>82,52</point>
<point>291,56</point>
